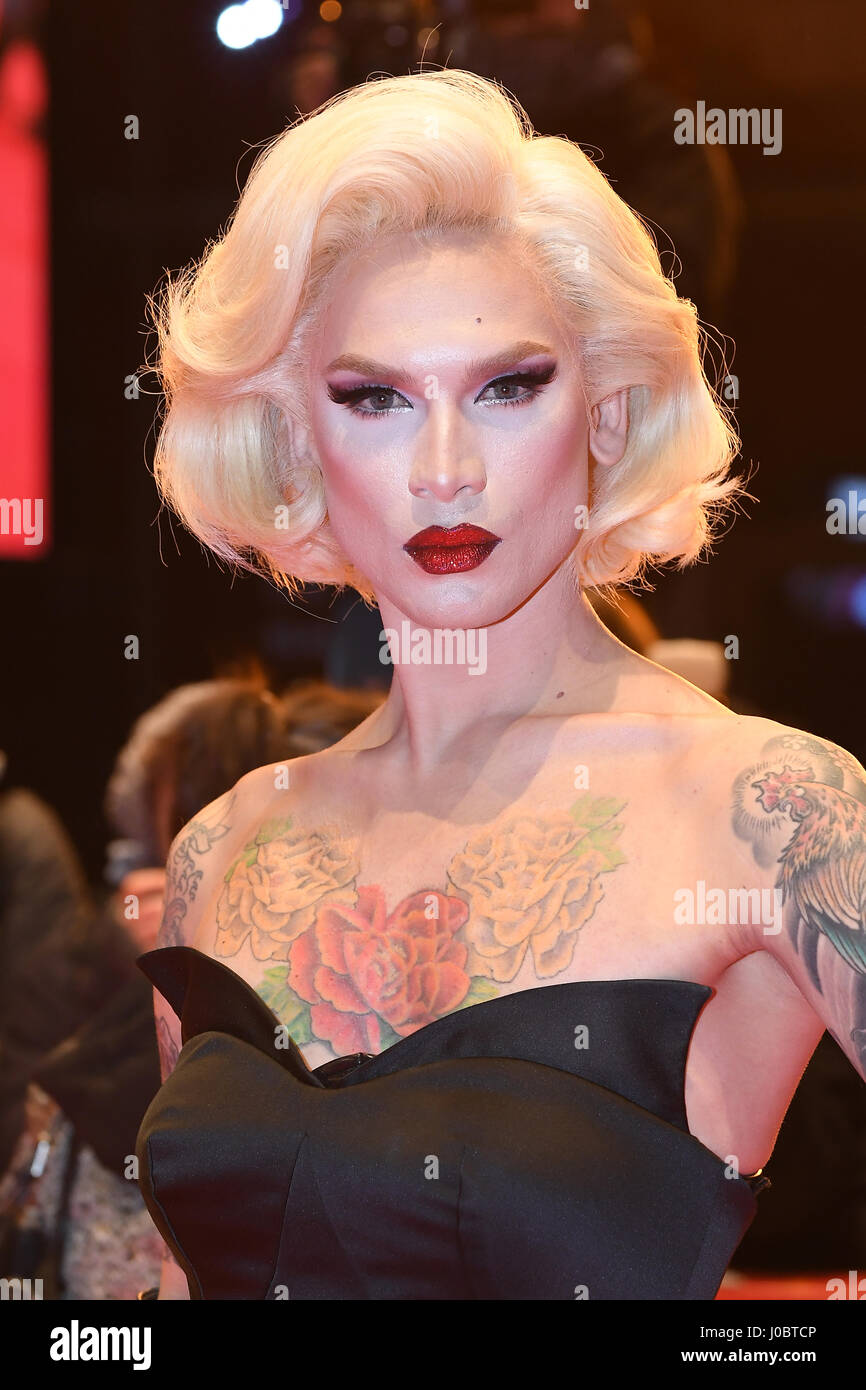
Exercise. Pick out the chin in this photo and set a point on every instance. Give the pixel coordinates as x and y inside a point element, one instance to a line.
<point>456,601</point>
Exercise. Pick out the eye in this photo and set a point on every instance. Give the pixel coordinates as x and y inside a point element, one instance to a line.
<point>381,396</point>
<point>382,399</point>
<point>531,383</point>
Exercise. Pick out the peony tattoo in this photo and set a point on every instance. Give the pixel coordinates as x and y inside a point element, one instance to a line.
<point>533,886</point>
<point>356,975</point>
<point>275,889</point>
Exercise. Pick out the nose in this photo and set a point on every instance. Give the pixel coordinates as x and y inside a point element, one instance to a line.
<point>446,461</point>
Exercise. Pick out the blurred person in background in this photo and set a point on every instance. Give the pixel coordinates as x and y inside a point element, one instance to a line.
<point>45,914</point>
<point>80,1053</point>
<point>201,738</point>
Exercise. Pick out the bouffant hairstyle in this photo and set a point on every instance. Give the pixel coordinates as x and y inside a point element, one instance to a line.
<point>426,154</point>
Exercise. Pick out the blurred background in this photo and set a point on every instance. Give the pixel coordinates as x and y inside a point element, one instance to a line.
<point>126,134</point>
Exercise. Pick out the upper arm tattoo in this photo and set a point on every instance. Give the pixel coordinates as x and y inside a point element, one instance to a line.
<point>183,869</point>
<point>183,879</point>
<point>168,1255</point>
<point>808,796</point>
<point>165,1041</point>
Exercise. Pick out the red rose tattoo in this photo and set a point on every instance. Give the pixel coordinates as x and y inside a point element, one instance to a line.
<point>358,965</point>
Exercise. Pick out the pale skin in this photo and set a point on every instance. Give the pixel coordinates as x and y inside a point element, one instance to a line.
<point>571,755</point>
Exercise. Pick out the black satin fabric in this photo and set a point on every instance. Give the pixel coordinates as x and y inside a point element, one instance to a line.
<point>489,1155</point>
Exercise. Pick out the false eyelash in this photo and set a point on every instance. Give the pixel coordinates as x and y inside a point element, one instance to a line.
<point>348,395</point>
<point>537,377</point>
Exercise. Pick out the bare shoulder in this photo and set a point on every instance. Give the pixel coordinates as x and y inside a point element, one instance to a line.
<point>755,764</point>
<point>269,806</point>
<point>199,860</point>
<point>798,817</point>
<point>763,761</point>
<point>202,850</point>
<point>736,750</point>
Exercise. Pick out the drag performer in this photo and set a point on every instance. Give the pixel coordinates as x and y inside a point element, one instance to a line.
<point>504,995</point>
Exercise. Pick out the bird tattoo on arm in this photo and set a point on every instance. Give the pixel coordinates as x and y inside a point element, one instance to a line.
<point>803,807</point>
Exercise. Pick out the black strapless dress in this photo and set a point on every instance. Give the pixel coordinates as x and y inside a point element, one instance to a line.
<point>488,1155</point>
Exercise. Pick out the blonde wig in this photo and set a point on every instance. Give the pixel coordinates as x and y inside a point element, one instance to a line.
<point>427,154</point>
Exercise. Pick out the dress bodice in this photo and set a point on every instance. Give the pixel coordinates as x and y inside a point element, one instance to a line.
<point>532,1146</point>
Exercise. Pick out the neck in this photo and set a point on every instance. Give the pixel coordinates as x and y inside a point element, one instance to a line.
<point>552,656</point>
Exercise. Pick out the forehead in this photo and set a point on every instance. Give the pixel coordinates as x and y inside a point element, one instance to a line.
<point>457,291</point>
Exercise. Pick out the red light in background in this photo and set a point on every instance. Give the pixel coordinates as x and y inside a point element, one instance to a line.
<point>25,479</point>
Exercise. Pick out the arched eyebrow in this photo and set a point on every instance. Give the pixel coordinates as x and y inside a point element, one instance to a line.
<point>483,367</point>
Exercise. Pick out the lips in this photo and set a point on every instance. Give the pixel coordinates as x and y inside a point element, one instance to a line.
<point>450,550</point>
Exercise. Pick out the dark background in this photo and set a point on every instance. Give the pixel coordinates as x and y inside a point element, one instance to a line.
<point>124,211</point>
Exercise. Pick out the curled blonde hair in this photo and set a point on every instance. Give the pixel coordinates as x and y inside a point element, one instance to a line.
<point>427,153</point>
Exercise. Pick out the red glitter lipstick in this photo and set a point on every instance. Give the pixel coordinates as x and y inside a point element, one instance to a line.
<point>451,550</point>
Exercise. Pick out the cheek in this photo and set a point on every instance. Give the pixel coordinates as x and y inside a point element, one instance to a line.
<point>567,473</point>
<point>342,470</point>
<point>556,485</point>
<point>556,423</point>
<point>356,487</point>
<point>555,449</point>
<point>348,505</point>
<point>568,435</point>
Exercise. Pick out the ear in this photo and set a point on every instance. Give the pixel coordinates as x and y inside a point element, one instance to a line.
<point>608,429</point>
